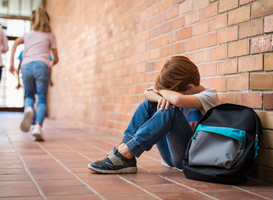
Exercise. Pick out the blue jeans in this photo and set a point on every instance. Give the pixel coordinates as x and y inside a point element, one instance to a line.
<point>36,79</point>
<point>168,129</point>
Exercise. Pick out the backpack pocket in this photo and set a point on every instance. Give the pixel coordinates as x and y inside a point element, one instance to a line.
<point>216,146</point>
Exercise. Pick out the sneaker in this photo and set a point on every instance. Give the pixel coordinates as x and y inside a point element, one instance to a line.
<point>114,163</point>
<point>27,120</point>
<point>38,133</point>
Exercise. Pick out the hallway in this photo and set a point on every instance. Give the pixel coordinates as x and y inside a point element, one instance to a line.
<point>57,169</point>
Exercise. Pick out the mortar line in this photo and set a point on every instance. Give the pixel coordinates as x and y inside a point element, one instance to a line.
<point>250,192</point>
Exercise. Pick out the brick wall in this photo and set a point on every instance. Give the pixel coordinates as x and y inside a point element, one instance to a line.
<point>111,50</point>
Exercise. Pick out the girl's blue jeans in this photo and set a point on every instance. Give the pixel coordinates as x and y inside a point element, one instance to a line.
<point>36,79</point>
<point>168,129</point>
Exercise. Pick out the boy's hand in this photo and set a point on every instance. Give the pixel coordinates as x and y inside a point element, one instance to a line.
<point>163,103</point>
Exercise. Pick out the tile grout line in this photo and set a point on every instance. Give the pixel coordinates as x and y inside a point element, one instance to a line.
<point>115,174</point>
<point>182,185</point>
<point>66,168</point>
<point>26,169</point>
<point>251,192</point>
<point>160,176</point>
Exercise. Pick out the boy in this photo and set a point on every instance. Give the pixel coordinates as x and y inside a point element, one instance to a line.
<point>160,120</point>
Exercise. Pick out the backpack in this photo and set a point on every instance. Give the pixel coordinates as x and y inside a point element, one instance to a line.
<point>224,145</point>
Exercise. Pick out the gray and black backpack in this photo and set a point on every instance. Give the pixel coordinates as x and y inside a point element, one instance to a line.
<point>224,145</point>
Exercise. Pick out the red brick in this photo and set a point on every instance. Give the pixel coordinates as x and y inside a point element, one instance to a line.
<point>243,2</point>
<point>239,15</point>
<point>165,4</point>
<point>188,55</point>
<point>239,48</point>
<point>228,98</point>
<point>218,22</point>
<point>262,8</point>
<point>192,44</point>
<point>159,64</point>
<point>238,82</point>
<point>200,56</point>
<point>225,5</point>
<point>166,51</point>
<point>155,32</point>
<point>208,69</point>
<point>227,67</point>
<point>252,100</point>
<point>227,35</point>
<point>159,42</point>
<point>192,17</point>
<point>186,7</point>
<point>251,28</point>
<point>150,23</point>
<point>268,99</point>
<point>177,2</point>
<point>199,3</point>
<point>171,37</point>
<point>178,22</point>
<point>208,40</point>
<point>261,81</point>
<point>250,63</point>
<point>185,33</point>
<point>268,24</point>
<point>209,11</point>
<point>167,27</point>
<point>178,48</point>
<point>218,53</point>
<point>200,28</point>
<point>262,44</point>
<point>268,62</point>
<point>204,82</point>
<point>172,13</point>
<point>220,84</point>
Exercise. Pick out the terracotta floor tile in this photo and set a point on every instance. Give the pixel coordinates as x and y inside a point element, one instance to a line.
<point>75,148</point>
<point>143,196</point>
<point>11,191</point>
<point>233,194</point>
<point>58,183</point>
<point>116,189</point>
<point>77,197</point>
<point>182,196</point>
<point>53,176</point>
<point>65,191</point>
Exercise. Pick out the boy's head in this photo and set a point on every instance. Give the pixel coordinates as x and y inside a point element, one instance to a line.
<point>177,73</point>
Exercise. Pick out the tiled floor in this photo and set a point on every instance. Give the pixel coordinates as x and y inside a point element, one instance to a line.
<point>57,169</point>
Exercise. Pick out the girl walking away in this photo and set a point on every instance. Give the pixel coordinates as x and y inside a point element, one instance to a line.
<point>3,48</point>
<point>35,69</point>
<point>165,118</point>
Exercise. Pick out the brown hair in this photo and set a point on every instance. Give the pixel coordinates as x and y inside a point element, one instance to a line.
<point>40,20</point>
<point>177,73</point>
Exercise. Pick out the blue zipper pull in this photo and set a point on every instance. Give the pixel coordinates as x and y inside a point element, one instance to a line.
<point>256,147</point>
<point>195,134</point>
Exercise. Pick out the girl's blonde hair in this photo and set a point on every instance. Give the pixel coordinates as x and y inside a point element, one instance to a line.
<point>40,20</point>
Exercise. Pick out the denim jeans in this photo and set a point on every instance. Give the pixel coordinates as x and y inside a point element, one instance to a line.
<point>168,129</point>
<point>36,79</point>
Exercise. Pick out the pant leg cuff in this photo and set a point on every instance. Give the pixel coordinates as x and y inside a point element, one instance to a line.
<point>135,149</point>
<point>126,138</point>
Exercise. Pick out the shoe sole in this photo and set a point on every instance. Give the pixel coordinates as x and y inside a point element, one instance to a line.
<point>127,170</point>
<point>38,137</point>
<point>27,121</point>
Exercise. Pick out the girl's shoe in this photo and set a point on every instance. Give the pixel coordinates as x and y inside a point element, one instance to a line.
<point>38,133</point>
<point>27,120</point>
<point>114,163</point>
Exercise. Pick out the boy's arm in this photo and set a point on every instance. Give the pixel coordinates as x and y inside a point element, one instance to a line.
<point>17,42</point>
<point>179,100</point>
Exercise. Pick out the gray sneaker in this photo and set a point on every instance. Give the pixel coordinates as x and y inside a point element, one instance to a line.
<point>27,120</point>
<point>114,163</point>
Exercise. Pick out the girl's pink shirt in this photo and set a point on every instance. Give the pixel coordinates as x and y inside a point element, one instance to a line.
<point>37,46</point>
